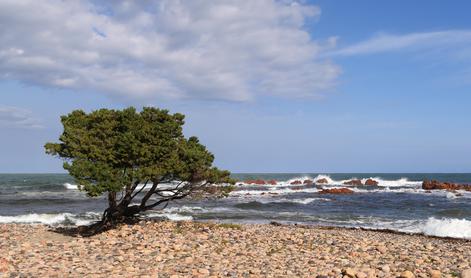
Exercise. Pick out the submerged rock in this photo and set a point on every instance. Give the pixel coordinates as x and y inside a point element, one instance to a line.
<point>308,182</point>
<point>336,191</point>
<point>272,182</point>
<point>353,182</point>
<point>296,182</point>
<point>323,180</point>
<point>257,182</point>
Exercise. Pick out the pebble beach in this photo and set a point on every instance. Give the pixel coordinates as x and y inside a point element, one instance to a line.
<point>194,249</point>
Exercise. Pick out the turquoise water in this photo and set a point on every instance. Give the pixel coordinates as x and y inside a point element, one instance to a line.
<point>397,203</point>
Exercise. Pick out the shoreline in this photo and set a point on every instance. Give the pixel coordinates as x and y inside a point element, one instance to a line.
<point>204,249</point>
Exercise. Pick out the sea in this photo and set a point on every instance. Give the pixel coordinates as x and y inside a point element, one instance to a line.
<point>397,203</point>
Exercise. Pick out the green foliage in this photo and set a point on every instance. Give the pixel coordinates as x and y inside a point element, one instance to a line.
<point>112,150</point>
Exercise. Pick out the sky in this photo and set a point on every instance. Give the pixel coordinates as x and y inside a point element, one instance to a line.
<point>268,86</point>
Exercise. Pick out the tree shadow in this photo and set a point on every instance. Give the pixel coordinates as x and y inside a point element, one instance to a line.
<point>95,228</point>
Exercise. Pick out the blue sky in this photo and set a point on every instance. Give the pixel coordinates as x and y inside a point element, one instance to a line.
<point>268,86</point>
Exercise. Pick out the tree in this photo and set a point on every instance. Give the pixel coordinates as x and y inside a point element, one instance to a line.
<point>141,160</point>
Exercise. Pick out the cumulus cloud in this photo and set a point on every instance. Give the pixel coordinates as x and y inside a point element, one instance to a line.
<point>170,49</point>
<point>458,40</point>
<point>18,118</point>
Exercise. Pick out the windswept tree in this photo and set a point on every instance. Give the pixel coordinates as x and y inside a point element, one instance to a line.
<point>140,160</point>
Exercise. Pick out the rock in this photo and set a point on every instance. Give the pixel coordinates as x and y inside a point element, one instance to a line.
<point>188,260</point>
<point>371,182</point>
<point>296,182</point>
<point>257,182</point>
<point>336,191</point>
<point>353,182</point>
<point>435,274</point>
<point>349,272</point>
<point>361,275</point>
<point>466,273</point>
<point>385,268</point>
<point>203,271</point>
<point>407,274</point>
<point>382,249</point>
<point>272,182</point>
<point>322,181</point>
<point>436,185</point>
<point>3,265</point>
<point>308,182</point>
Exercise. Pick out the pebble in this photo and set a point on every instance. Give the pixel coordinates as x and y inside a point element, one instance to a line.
<point>435,274</point>
<point>466,273</point>
<point>191,249</point>
<point>407,274</point>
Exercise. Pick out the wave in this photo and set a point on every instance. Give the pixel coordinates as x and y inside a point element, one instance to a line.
<point>67,219</point>
<point>170,216</point>
<point>402,182</point>
<point>304,201</point>
<point>271,192</point>
<point>70,186</point>
<point>447,227</point>
<point>140,186</point>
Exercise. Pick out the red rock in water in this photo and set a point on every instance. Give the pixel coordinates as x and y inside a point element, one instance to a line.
<point>296,182</point>
<point>353,182</point>
<point>308,182</point>
<point>322,181</point>
<point>371,182</point>
<point>436,185</point>
<point>336,191</point>
<point>272,182</point>
<point>257,182</point>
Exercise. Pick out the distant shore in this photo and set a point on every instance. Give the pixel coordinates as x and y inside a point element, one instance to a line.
<point>193,249</point>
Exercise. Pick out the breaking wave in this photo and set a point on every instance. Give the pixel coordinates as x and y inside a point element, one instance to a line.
<point>67,219</point>
<point>447,227</point>
<point>70,186</point>
<point>402,182</point>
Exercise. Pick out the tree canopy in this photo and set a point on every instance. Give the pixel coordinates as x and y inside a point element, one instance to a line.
<point>143,155</point>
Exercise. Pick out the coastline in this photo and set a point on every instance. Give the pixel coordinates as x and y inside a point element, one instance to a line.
<point>201,249</point>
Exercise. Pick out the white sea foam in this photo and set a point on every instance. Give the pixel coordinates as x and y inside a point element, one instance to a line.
<point>70,186</point>
<point>171,216</point>
<point>402,182</point>
<point>447,227</point>
<point>139,186</point>
<point>272,191</point>
<point>450,195</point>
<point>50,219</point>
<point>304,201</point>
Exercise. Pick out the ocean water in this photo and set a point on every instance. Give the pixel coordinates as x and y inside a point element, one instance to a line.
<point>397,203</point>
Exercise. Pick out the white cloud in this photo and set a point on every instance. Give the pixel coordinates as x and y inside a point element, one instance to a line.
<point>203,49</point>
<point>459,40</point>
<point>18,118</point>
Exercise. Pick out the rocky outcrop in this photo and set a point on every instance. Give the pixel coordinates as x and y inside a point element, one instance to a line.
<point>272,182</point>
<point>336,191</point>
<point>296,182</point>
<point>308,182</point>
<point>436,185</point>
<point>257,182</point>
<point>322,181</point>
<point>353,182</point>
<point>371,182</point>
